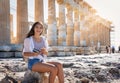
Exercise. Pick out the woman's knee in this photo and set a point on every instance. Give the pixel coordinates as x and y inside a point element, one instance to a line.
<point>54,70</point>
<point>59,65</point>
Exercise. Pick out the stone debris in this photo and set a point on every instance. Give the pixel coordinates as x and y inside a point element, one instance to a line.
<point>102,68</point>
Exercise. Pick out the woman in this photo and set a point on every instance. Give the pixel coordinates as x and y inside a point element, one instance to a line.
<point>35,47</point>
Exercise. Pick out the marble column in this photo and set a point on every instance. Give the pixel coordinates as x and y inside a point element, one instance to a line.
<point>39,11</point>
<point>103,35</point>
<point>70,28</point>
<point>4,22</point>
<point>76,28</point>
<point>52,24</point>
<point>107,40</point>
<point>22,20</point>
<point>109,35</point>
<point>11,29</point>
<point>82,30</point>
<point>97,33</point>
<point>92,36</point>
<point>86,31</point>
<point>62,24</point>
<point>89,34</point>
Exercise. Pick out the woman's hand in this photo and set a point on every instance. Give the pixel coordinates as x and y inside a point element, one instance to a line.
<point>44,51</point>
<point>36,53</point>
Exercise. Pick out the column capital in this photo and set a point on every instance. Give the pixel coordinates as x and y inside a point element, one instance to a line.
<point>76,10</point>
<point>76,13</point>
<point>69,7</point>
<point>60,1</point>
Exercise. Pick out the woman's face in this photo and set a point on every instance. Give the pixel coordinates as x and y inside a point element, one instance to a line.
<point>38,29</point>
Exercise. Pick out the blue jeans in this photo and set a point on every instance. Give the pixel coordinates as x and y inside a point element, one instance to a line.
<point>31,62</point>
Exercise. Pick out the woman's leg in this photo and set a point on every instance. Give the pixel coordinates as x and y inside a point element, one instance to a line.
<point>46,67</point>
<point>60,73</point>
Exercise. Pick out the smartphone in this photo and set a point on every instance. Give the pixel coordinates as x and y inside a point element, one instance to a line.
<point>36,50</point>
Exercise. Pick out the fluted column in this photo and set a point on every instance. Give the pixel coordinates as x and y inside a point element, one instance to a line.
<point>76,28</point>
<point>109,35</point>
<point>22,20</point>
<point>82,30</point>
<point>39,11</point>
<point>106,36</point>
<point>101,32</point>
<point>4,21</point>
<point>70,28</point>
<point>97,33</point>
<point>86,32</point>
<point>52,28</point>
<point>92,37</point>
<point>11,29</point>
<point>62,24</point>
<point>89,35</point>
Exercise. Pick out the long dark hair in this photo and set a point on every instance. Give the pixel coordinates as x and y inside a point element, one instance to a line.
<point>31,32</point>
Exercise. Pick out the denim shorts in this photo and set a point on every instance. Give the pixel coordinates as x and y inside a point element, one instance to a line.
<point>31,62</point>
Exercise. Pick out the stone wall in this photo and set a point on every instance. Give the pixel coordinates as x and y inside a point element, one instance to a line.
<point>11,51</point>
<point>15,51</point>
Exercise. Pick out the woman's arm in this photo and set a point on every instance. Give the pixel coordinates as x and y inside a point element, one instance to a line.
<point>28,54</point>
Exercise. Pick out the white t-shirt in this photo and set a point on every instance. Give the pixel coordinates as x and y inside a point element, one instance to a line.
<point>29,46</point>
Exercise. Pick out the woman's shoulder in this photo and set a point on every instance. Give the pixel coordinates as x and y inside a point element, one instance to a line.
<point>43,37</point>
<point>27,39</point>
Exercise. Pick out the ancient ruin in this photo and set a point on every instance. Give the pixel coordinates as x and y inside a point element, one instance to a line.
<point>76,30</point>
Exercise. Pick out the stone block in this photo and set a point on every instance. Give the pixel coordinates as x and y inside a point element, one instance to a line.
<point>56,53</point>
<point>70,53</point>
<point>5,48</point>
<point>60,54</point>
<point>18,55</point>
<point>52,53</point>
<point>11,47</point>
<point>7,54</point>
<point>17,47</point>
<point>73,49</point>
<point>35,77</point>
<point>70,49</point>
<point>56,48</point>
<point>78,49</point>
<point>66,49</point>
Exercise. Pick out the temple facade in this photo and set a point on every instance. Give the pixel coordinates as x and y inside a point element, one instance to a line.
<point>77,24</point>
